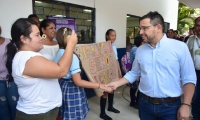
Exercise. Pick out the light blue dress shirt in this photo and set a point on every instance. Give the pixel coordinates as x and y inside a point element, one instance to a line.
<point>75,66</point>
<point>162,67</point>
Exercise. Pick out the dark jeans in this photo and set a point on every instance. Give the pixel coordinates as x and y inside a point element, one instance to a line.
<point>8,100</point>
<point>133,90</point>
<point>134,99</point>
<point>51,115</point>
<point>164,111</point>
<point>196,99</point>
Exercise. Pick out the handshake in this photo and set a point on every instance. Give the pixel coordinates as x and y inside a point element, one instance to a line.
<point>110,87</point>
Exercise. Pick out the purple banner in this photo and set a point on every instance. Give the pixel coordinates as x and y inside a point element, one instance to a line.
<point>63,22</point>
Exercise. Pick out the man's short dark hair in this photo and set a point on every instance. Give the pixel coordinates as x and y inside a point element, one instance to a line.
<point>32,15</point>
<point>155,19</point>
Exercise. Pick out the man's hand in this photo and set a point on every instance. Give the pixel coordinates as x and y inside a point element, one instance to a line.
<point>112,85</point>
<point>106,88</point>
<point>183,113</point>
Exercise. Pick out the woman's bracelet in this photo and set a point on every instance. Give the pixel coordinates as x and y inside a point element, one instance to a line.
<point>186,104</point>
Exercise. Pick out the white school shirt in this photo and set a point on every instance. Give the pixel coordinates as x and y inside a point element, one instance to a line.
<point>115,51</point>
<point>75,66</point>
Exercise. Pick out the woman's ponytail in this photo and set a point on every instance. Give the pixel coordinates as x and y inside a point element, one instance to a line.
<point>11,50</point>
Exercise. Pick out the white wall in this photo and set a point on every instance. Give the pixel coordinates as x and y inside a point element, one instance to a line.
<point>109,14</point>
<point>116,17</point>
<point>11,10</point>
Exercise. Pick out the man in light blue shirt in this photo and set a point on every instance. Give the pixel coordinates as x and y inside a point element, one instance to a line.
<point>160,63</point>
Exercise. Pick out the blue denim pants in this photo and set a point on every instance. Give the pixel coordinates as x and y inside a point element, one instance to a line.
<point>196,99</point>
<point>164,111</point>
<point>8,100</point>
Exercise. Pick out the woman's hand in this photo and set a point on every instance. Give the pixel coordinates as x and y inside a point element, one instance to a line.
<point>112,85</point>
<point>72,39</point>
<point>106,88</point>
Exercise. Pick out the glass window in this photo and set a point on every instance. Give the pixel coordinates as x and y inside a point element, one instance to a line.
<point>38,10</point>
<point>76,8</point>
<point>73,14</point>
<point>82,16</point>
<point>132,25</point>
<point>85,16</point>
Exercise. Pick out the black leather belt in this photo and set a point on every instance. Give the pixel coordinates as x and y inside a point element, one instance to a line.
<point>160,100</point>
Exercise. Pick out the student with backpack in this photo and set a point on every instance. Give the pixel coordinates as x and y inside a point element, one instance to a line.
<point>126,62</point>
<point>134,86</point>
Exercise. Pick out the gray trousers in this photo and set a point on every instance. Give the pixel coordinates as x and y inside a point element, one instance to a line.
<point>50,115</point>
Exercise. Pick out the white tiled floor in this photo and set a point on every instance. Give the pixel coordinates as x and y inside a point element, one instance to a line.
<point>126,112</point>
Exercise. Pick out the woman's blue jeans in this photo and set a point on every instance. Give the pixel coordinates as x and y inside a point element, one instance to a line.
<point>8,100</point>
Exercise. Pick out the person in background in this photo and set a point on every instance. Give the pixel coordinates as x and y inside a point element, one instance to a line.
<point>74,101</point>
<point>160,64</point>
<point>194,47</point>
<point>176,35</point>
<point>8,89</point>
<point>35,18</point>
<point>137,42</point>
<point>182,38</point>
<point>134,86</point>
<point>35,76</point>
<point>48,32</point>
<point>170,33</point>
<point>110,36</point>
<point>190,33</point>
<point>129,45</point>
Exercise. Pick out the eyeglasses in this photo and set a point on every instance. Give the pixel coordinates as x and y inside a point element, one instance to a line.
<point>144,28</point>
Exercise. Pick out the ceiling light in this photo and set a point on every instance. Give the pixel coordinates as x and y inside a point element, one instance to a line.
<point>60,16</point>
<point>127,16</point>
<point>38,2</point>
<point>86,10</point>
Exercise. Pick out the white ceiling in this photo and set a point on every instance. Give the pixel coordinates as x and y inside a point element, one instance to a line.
<point>191,3</point>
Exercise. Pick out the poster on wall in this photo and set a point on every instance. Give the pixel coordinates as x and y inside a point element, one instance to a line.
<point>99,63</point>
<point>63,22</point>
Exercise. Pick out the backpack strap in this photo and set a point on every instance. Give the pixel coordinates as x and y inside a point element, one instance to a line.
<point>191,45</point>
